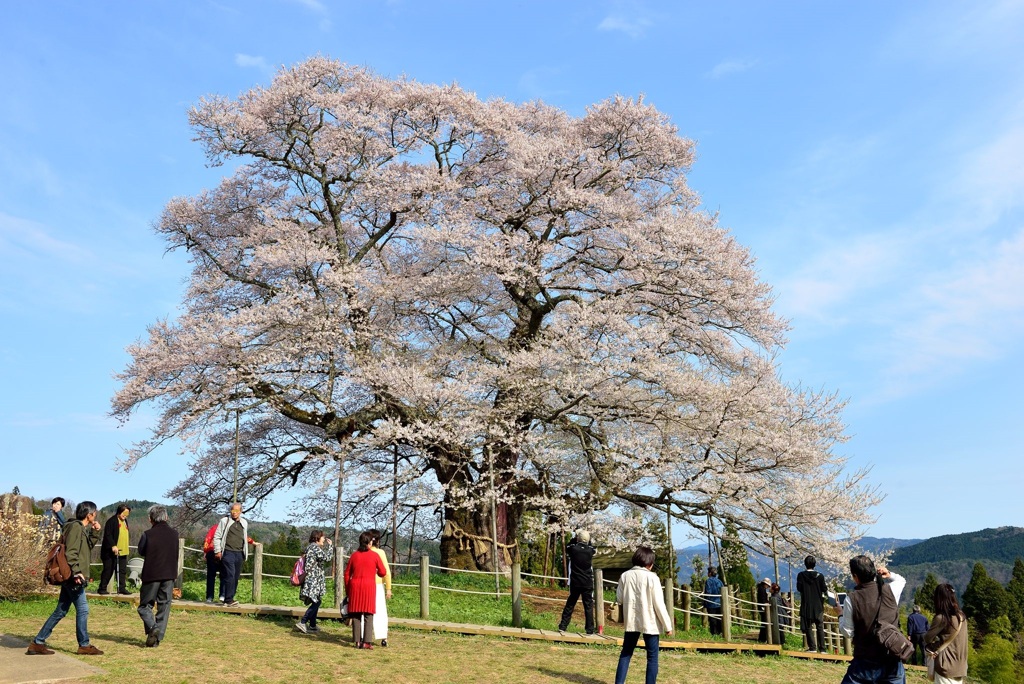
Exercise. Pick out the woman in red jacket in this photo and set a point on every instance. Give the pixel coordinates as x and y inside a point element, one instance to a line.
<point>364,566</point>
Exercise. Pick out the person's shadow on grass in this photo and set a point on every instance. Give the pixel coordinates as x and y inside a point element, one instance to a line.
<point>574,677</point>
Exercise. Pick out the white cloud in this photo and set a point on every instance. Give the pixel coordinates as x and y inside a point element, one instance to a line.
<point>732,66</point>
<point>634,27</point>
<point>20,238</point>
<point>252,62</point>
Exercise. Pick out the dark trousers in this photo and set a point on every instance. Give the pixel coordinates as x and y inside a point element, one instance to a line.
<point>110,563</point>
<point>918,641</point>
<point>160,594</point>
<point>628,644</point>
<point>310,617</point>
<point>576,593</point>
<point>814,627</point>
<point>762,634</point>
<point>213,567</point>
<point>714,619</point>
<point>362,628</point>
<point>232,562</point>
<point>863,671</point>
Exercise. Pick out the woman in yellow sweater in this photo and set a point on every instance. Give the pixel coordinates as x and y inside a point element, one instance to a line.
<point>380,618</point>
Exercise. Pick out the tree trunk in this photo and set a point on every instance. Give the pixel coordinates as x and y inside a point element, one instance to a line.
<point>466,538</point>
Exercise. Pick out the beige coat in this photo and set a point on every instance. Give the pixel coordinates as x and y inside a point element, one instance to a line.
<point>643,602</point>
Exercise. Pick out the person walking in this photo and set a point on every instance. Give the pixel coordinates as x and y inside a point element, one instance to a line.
<point>643,613</point>
<point>80,536</point>
<point>114,550</point>
<point>917,627</point>
<point>231,547</point>
<point>314,584</point>
<point>380,618</point>
<point>877,594</point>
<point>213,566</point>
<point>581,581</point>
<point>159,546</point>
<point>813,594</point>
<point>946,641</point>
<point>361,588</point>
<point>712,599</point>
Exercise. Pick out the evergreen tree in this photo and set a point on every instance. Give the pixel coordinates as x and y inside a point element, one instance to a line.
<point>735,564</point>
<point>1015,590</point>
<point>924,596</point>
<point>984,599</point>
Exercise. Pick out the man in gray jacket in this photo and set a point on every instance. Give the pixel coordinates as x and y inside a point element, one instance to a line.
<point>159,546</point>
<point>231,546</point>
<point>80,536</point>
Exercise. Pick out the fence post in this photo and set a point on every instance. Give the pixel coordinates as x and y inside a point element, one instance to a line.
<point>517,595</point>
<point>847,645</point>
<point>670,602</point>
<point>726,614</point>
<point>180,578</point>
<point>688,604</point>
<point>424,587</point>
<point>599,598</point>
<point>257,574</point>
<point>339,576</point>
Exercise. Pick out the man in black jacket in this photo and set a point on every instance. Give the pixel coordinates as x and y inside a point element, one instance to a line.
<point>581,581</point>
<point>813,594</point>
<point>159,546</point>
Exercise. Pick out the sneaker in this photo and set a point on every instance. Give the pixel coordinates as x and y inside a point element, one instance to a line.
<point>89,650</point>
<point>367,646</point>
<point>37,649</point>
<point>384,643</point>
<point>152,640</point>
<point>124,593</point>
<point>232,604</point>
<point>209,600</point>
<point>301,626</point>
<point>102,593</point>
<point>311,628</point>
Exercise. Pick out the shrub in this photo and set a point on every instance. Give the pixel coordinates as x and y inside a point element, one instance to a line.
<point>21,556</point>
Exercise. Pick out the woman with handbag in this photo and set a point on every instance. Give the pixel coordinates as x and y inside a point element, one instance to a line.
<point>946,642</point>
<point>314,584</point>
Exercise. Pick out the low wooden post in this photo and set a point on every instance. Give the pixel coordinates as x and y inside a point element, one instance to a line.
<point>180,577</point>
<point>687,606</point>
<point>726,614</point>
<point>424,587</point>
<point>774,633</point>
<point>670,603</point>
<point>599,598</point>
<point>847,645</point>
<point>792,612</point>
<point>339,576</point>
<point>257,573</point>
<point>517,595</point>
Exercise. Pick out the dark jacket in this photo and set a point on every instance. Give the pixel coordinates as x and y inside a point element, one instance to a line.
<point>917,625</point>
<point>713,592</point>
<point>864,599</point>
<point>159,546</point>
<point>79,543</point>
<point>111,530</point>
<point>581,564</point>
<point>811,585</point>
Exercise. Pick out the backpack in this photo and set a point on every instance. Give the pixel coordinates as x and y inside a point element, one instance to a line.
<point>208,542</point>
<point>56,570</point>
<point>890,637</point>
<point>299,571</point>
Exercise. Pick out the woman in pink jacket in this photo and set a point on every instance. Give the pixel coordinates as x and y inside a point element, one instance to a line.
<point>643,612</point>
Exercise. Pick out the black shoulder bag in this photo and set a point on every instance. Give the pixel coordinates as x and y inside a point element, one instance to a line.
<point>893,641</point>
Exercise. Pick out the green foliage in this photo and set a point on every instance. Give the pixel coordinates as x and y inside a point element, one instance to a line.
<point>664,555</point>
<point>1000,544</point>
<point>924,596</point>
<point>1015,590</point>
<point>735,563</point>
<point>984,599</point>
<point>993,661</point>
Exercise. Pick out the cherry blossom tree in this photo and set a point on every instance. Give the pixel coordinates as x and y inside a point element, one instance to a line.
<point>531,305</point>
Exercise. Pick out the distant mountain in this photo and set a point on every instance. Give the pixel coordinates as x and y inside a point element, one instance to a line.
<point>1003,544</point>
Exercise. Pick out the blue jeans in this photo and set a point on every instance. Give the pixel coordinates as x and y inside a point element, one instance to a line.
<point>628,644</point>
<point>863,671</point>
<point>70,593</point>
<point>232,564</point>
<point>311,613</point>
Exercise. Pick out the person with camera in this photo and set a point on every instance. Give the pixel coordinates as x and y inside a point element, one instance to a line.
<point>581,581</point>
<point>80,536</point>
<point>876,597</point>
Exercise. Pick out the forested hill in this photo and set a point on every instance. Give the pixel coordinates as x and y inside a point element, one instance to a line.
<point>1003,544</point>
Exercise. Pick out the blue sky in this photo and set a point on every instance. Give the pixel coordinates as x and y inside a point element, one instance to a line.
<point>869,153</point>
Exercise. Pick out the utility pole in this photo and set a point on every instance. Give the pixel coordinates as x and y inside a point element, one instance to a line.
<point>394,511</point>
<point>234,489</point>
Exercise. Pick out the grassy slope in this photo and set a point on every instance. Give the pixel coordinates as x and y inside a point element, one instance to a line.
<point>270,650</point>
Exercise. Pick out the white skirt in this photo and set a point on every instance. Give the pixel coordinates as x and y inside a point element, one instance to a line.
<point>380,618</point>
<point>939,679</point>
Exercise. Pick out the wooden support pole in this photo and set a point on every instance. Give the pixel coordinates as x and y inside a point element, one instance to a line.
<point>424,587</point>
<point>339,576</point>
<point>774,633</point>
<point>726,614</point>
<point>670,603</point>
<point>599,598</point>
<point>257,573</point>
<point>180,577</point>
<point>517,595</point>
<point>688,605</point>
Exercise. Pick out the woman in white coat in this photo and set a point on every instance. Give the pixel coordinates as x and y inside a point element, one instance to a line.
<point>643,612</point>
